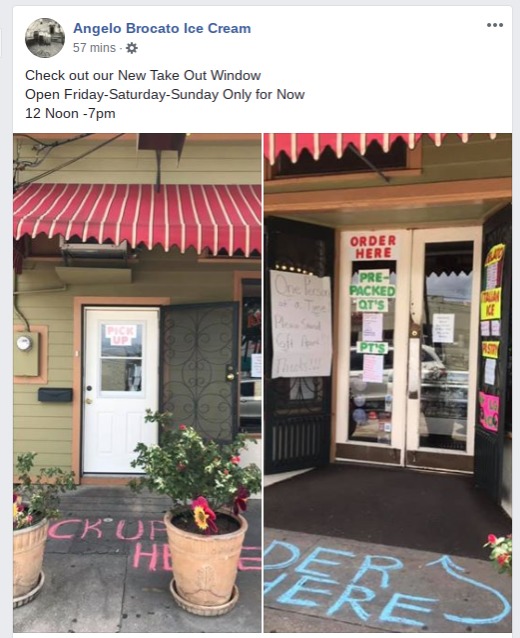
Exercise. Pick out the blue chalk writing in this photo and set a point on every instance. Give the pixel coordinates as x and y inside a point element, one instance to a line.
<point>370,565</point>
<point>289,596</point>
<point>269,585</point>
<point>395,603</point>
<point>313,558</point>
<point>293,550</point>
<point>450,566</point>
<point>347,597</point>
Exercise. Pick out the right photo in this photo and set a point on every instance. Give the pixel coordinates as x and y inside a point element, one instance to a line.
<point>387,382</point>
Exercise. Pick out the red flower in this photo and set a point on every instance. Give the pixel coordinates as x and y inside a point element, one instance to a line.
<point>240,502</point>
<point>502,558</point>
<point>492,539</point>
<point>204,516</point>
<point>182,427</point>
<point>235,459</point>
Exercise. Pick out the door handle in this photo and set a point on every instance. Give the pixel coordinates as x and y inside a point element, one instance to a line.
<point>230,373</point>
<point>88,401</point>
<point>230,376</point>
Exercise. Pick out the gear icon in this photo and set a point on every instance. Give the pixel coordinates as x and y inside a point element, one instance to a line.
<point>131,47</point>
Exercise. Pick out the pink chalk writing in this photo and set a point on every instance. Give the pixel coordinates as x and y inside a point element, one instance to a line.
<point>152,556</point>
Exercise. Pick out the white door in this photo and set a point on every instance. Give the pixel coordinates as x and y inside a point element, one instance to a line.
<point>407,346</point>
<point>120,381</point>
<point>443,343</point>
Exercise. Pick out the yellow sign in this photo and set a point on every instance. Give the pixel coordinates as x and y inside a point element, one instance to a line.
<point>490,303</point>
<point>495,254</point>
<point>490,349</point>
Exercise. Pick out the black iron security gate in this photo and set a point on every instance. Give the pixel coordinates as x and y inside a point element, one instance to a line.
<point>489,444</point>
<point>199,360</point>
<point>297,411</point>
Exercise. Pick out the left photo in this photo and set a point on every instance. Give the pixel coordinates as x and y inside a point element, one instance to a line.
<point>137,359</point>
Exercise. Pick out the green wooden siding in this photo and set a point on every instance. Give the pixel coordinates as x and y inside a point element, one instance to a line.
<point>121,163</point>
<point>46,428</point>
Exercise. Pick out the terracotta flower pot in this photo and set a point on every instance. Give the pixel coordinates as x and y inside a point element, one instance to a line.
<point>28,549</point>
<point>205,567</point>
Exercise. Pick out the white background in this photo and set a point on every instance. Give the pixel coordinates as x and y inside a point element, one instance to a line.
<point>361,68</point>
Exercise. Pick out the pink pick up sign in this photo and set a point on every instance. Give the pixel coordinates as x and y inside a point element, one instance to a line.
<point>120,335</point>
<point>489,408</point>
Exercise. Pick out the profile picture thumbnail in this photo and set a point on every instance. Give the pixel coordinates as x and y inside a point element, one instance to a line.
<point>45,37</point>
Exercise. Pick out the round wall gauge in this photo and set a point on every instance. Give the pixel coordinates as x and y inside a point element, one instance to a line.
<point>24,343</point>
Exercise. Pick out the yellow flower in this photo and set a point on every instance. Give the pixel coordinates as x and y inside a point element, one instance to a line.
<point>201,518</point>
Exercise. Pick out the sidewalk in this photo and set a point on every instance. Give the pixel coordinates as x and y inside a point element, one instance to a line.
<point>107,570</point>
<point>320,584</point>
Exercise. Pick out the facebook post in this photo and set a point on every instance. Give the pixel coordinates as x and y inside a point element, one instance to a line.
<point>262,368</point>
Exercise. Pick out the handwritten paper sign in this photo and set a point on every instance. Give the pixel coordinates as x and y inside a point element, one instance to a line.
<point>373,368</point>
<point>372,326</point>
<point>256,365</point>
<point>443,328</point>
<point>301,325</point>
<point>489,371</point>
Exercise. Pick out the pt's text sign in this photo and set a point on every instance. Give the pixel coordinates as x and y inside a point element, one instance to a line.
<point>301,325</point>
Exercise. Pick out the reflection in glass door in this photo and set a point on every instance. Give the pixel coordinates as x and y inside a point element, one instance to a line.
<point>444,304</point>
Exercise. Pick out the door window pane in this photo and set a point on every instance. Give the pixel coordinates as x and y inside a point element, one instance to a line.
<point>121,357</point>
<point>445,345</point>
<point>372,352</point>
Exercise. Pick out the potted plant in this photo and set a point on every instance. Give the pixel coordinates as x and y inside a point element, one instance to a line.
<point>501,552</point>
<point>208,488</point>
<point>35,500</point>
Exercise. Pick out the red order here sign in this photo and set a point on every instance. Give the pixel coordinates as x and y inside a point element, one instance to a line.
<point>373,245</point>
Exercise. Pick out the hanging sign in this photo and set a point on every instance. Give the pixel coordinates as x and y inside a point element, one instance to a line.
<point>375,245</point>
<point>489,408</point>
<point>370,305</point>
<point>373,284</point>
<point>490,349</point>
<point>495,254</point>
<point>443,328</point>
<point>372,326</point>
<point>373,368</point>
<point>120,335</point>
<point>256,365</point>
<point>490,303</point>
<point>301,322</point>
<point>372,347</point>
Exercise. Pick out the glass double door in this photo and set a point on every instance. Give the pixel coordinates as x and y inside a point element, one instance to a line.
<point>407,348</point>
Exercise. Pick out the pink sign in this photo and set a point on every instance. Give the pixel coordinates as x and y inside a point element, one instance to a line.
<point>489,408</point>
<point>120,335</point>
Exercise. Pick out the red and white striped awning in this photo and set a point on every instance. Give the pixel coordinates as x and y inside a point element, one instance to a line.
<point>210,216</point>
<point>294,143</point>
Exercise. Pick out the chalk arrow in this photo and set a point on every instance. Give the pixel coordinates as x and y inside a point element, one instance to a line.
<point>455,570</point>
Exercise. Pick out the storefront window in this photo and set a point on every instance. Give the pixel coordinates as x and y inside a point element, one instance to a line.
<point>373,287</point>
<point>445,345</point>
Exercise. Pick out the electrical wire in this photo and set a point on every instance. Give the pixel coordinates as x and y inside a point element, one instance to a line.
<point>67,163</point>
